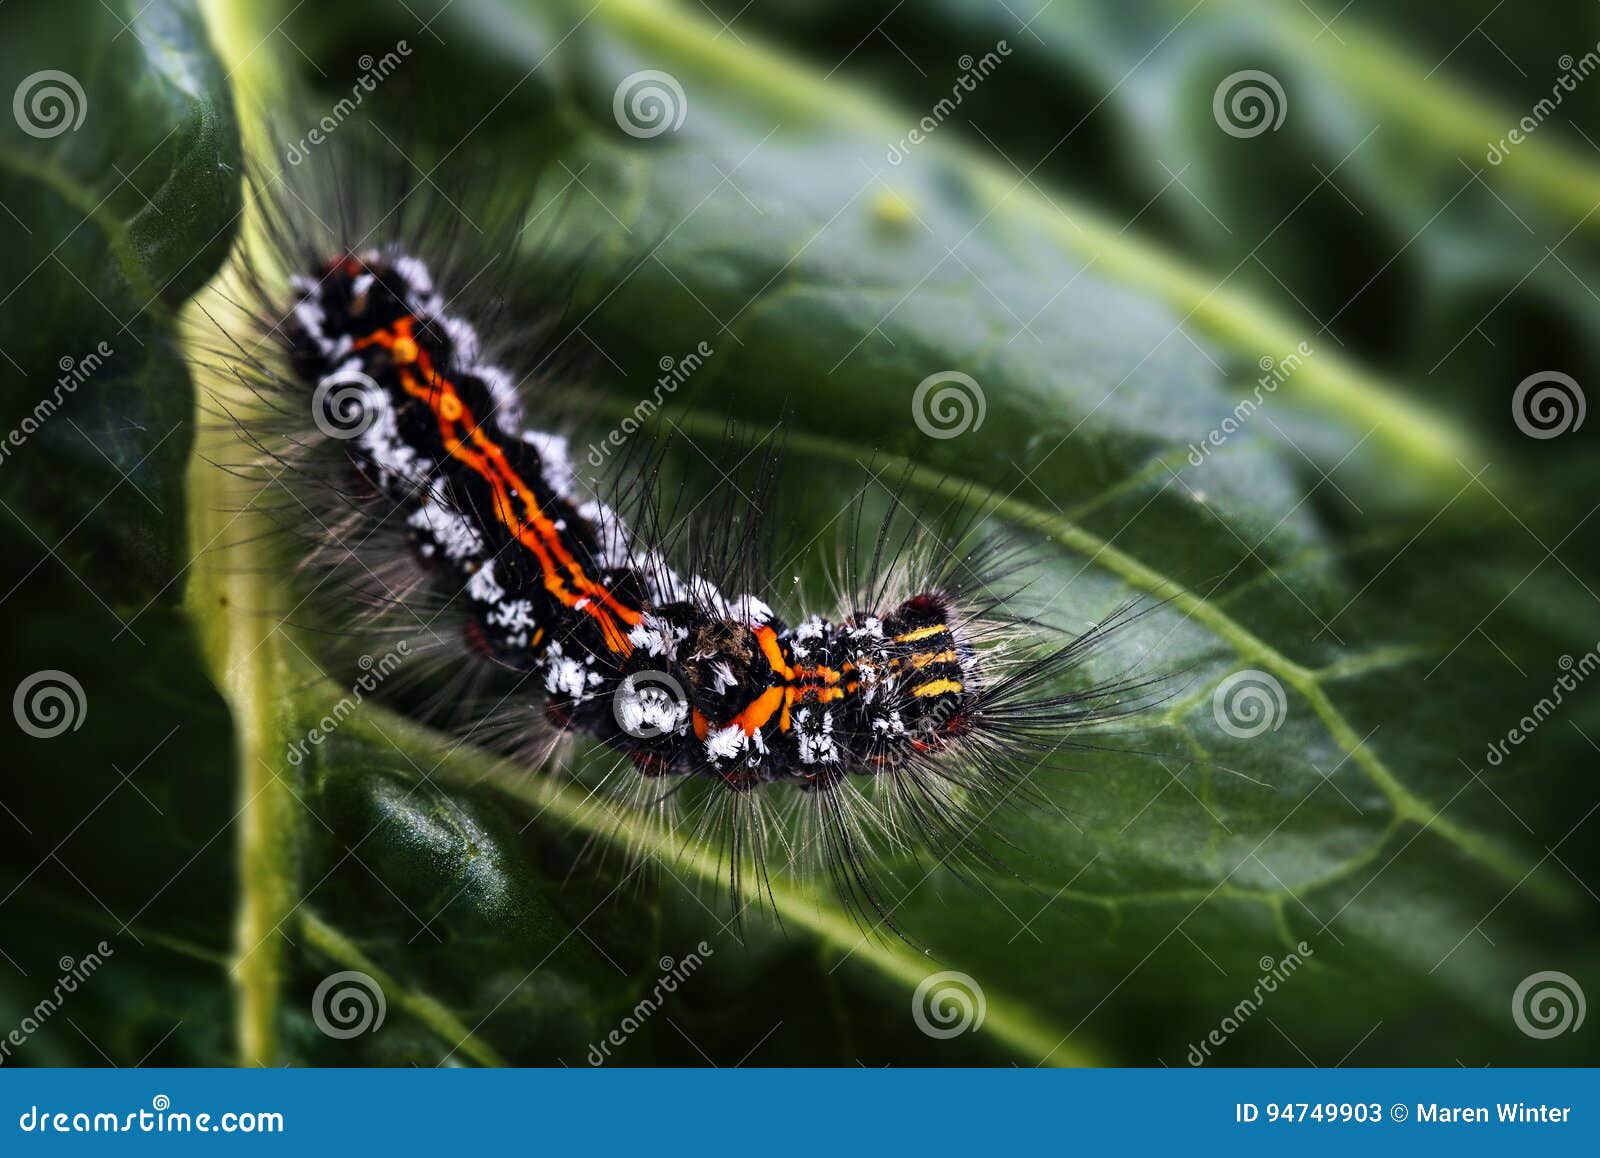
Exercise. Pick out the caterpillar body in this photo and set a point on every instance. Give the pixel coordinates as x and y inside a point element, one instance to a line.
<point>397,426</point>
<point>671,672</point>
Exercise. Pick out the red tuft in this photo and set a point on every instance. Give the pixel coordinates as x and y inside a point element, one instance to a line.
<point>650,764</point>
<point>928,604</point>
<point>476,639</point>
<point>957,725</point>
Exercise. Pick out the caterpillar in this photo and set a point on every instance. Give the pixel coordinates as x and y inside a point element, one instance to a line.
<point>388,400</point>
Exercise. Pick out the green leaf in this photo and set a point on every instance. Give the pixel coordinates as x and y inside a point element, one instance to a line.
<point>1377,210</point>
<point>117,831</point>
<point>1410,606</point>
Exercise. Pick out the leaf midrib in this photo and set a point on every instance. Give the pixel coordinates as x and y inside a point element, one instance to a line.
<point>227,593</point>
<point>1011,1022</point>
<point>1021,1028</point>
<point>1243,323</point>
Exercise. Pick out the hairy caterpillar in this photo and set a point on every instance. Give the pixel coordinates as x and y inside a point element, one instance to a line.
<point>387,402</point>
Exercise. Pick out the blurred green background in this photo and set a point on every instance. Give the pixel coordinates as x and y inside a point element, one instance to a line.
<point>1118,237</point>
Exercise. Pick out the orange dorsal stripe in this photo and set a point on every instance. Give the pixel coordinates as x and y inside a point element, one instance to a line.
<point>564,576</point>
